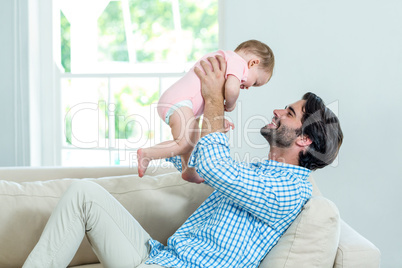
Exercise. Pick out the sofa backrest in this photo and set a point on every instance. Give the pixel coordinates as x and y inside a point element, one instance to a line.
<point>26,174</point>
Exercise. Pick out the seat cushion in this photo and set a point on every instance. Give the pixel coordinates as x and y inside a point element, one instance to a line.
<point>160,203</point>
<point>312,239</point>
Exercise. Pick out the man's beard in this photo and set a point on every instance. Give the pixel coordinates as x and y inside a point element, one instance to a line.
<point>282,137</point>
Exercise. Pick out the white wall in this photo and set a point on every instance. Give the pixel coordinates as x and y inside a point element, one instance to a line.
<point>350,54</point>
<point>27,84</point>
<point>14,93</point>
<point>6,95</point>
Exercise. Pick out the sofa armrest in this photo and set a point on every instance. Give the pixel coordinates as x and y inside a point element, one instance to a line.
<point>355,251</point>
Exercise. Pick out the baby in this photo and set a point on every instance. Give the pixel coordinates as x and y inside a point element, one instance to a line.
<point>250,65</point>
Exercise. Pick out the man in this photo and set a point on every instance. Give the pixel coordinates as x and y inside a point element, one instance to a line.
<point>238,224</point>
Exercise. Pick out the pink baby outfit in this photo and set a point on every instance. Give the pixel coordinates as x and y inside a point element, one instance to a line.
<point>189,86</point>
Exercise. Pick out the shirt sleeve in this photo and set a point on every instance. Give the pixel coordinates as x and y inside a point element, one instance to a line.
<point>176,161</point>
<point>236,67</point>
<point>267,195</point>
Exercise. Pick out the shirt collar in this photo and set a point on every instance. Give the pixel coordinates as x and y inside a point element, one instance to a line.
<point>297,170</point>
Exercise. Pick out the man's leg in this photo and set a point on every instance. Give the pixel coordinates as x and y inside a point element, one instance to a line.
<point>86,208</point>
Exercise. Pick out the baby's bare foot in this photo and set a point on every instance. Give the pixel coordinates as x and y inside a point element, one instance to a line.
<point>143,162</point>
<point>191,175</point>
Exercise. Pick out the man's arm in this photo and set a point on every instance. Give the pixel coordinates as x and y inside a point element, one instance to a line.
<point>213,92</point>
<point>212,86</point>
<point>241,183</point>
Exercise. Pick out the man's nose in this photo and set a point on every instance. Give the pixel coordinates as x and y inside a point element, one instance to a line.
<point>278,112</point>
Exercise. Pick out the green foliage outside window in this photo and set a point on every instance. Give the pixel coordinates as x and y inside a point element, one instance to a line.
<point>122,130</point>
<point>111,27</point>
<point>65,43</point>
<point>151,22</point>
<point>153,19</point>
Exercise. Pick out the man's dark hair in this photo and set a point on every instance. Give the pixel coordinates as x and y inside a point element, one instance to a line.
<point>322,127</point>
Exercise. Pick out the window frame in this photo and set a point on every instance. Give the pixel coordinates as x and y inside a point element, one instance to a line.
<point>48,90</point>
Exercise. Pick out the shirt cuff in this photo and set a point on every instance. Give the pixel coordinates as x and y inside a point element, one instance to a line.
<point>214,138</point>
<point>176,161</point>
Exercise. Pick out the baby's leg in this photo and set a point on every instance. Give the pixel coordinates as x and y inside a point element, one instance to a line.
<point>179,122</point>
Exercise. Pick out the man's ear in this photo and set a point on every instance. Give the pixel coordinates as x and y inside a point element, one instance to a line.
<point>253,62</point>
<point>303,141</point>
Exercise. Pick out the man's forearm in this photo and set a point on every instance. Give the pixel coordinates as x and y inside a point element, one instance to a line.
<point>213,92</point>
<point>213,116</point>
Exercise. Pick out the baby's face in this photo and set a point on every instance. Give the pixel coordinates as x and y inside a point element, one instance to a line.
<point>256,77</point>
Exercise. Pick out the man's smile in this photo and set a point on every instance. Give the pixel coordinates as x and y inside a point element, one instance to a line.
<point>274,123</point>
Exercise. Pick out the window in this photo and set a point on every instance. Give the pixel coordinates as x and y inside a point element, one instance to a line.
<point>117,58</point>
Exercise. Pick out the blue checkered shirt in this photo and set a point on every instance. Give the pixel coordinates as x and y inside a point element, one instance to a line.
<point>240,222</point>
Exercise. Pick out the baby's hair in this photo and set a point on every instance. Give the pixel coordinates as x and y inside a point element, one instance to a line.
<point>261,50</point>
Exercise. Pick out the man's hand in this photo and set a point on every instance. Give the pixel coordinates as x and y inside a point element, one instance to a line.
<point>213,92</point>
<point>212,80</point>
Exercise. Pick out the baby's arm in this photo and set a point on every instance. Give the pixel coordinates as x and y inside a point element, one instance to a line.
<point>232,91</point>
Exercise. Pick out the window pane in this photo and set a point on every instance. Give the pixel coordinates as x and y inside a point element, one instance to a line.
<point>152,29</point>
<point>65,42</point>
<point>129,158</point>
<point>85,157</point>
<point>124,158</point>
<point>200,27</point>
<point>112,44</point>
<point>84,103</point>
<point>135,111</point>
<point>101,44</point>
<point>152,32</point>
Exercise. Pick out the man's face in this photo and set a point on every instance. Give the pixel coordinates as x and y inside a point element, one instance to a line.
<point>285,125</point>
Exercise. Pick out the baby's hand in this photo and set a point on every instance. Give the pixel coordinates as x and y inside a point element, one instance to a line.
<point>228,125</point>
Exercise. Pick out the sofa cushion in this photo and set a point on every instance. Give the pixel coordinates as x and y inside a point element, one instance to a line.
<point>312,239</point>
<point>355,251</point>
<point>160,203</point>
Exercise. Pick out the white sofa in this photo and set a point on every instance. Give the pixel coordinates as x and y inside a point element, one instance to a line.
<point>161,202</point>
